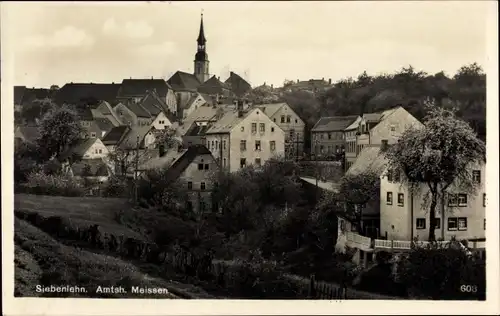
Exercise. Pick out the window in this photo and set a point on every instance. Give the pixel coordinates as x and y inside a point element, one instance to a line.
<point>257,145</point>
<point>393,128</point>
<point>282,119</point>
<point>213,145</point>
<point>476,176</point>
<point>200,166</point>
<point>484,224</point>
<point>274,120</point>
<point>100,151</point>
<point>202,206</point>
<point>296,121</point>
<point>254,127</point>
<point>321,135</point>
<point>452,223</point>
<point>272,129</point>
<point>462,223</point>
<point>202,186</point>
<point>462,199</point>
<point>206,166</point>
<point>262,127</point>
<point>401,199</point>
<point>257,162</point>
<point>437,223</point>
<point>216,145</point>
<point>92,135</point>
<point>242,128</point>
<point>243,162</point>
<point>420,223</point>
<point>272,145</point>
<point>224,144</point>
<point>484,199</point>
<point>288,118</point>
<point>224,162</point>
<point>452,200</point>
<point>389,198</point>
<point>329,135</point>
<point>190,185</point>
<point>243,145</point>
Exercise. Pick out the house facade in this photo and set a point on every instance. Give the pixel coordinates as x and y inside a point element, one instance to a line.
<point>327,135</point>
<point>293,126</point>
<point>133,114</point>
<point>404,215</point>
<point>242,138</point>
<point>372,128</point>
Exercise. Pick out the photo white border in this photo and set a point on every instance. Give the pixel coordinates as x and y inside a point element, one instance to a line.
<point>67,306</point>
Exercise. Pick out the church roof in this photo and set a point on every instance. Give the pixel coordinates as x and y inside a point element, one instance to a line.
<point>238,85</point>
<point>201,36</point>
<point>183,81</point>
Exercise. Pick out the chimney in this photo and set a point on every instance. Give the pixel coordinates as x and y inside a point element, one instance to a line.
<point>151,77</point>
<point>272,86</point>
<point>240,108</point>
<point>384,145</point>
<point>161,150</point>
<point>330,81</point>
<point>297,80</point>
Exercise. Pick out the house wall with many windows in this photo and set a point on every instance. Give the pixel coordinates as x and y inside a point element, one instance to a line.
<point>404,216</point>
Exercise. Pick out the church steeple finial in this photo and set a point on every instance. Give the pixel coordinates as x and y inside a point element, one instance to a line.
<point>201,37</point>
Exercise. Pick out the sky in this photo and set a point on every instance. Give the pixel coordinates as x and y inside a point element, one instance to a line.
<point>264,42</point>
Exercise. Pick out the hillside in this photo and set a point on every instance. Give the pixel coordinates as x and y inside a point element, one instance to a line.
<point>50,258</point>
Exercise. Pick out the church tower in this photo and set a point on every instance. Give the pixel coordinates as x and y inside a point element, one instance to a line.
<point>201,57</point>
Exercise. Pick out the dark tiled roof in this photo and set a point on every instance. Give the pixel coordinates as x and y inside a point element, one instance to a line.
<point>137,109</point>
<point>152,104</point>
<point>197,130</point>
<point>18,94</point>
<point>184,81</point>
<point>29,133</point>
<point>370,159</point>
<point>115,135</point>
<point>213,86</point>
<point>79,148</point>
<point>130,139</point>
<point>140,87</point>
<point>86,93</point>
<point>333,123</point>
<point>104,124</point>
<point>238,85</point>
<point>90,168</point>
<point>185,160</point>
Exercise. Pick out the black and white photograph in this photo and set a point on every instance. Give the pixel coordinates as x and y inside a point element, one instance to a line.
<point>289,151</point>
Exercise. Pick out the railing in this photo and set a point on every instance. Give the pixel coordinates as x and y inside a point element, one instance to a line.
<point>356,238</point>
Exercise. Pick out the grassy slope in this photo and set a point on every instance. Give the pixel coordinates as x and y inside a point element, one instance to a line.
<point>38,253</point>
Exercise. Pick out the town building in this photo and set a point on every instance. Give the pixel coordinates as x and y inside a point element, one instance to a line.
<point>291,123</point>
<point>195,168</point>
<point>90,148</point>
<point>327,135</point>
<point>105,110</point>
<point>372,128</point>
<point>242,138</point>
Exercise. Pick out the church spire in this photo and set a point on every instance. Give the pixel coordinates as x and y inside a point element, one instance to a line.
<point>201,37</point>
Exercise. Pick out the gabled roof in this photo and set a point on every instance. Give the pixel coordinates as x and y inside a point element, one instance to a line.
<point>153,103</point>
<point>115,135</point>
<point>371,158</point>
<point>140,87</point>
<point>76,93</point>
<point>105,110</point>
<point>185,160</point>
<point>213,86</point>
<point>90,168</point>
<point>210,100</point>
<point>171,155</point>
<point>238,85</point>
<point>184,81</point>
<point>79,148</point>
<point>203,113</point>
<point>29,133</point>
<point>137,109</point>
<point>333,123</point>
<point>130,139</point>
<point>271,109</point>
<point>191,100</point>
<point>354,125</point>
<point>227,122</point>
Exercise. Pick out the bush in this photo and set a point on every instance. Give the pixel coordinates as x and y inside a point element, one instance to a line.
<point>40,183</point>
<point>115,187</point>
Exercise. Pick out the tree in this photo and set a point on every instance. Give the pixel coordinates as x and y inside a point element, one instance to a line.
<point>59,128</point>
<point>356,191</point>
<point>36,109</point>
<point>438,155</point>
